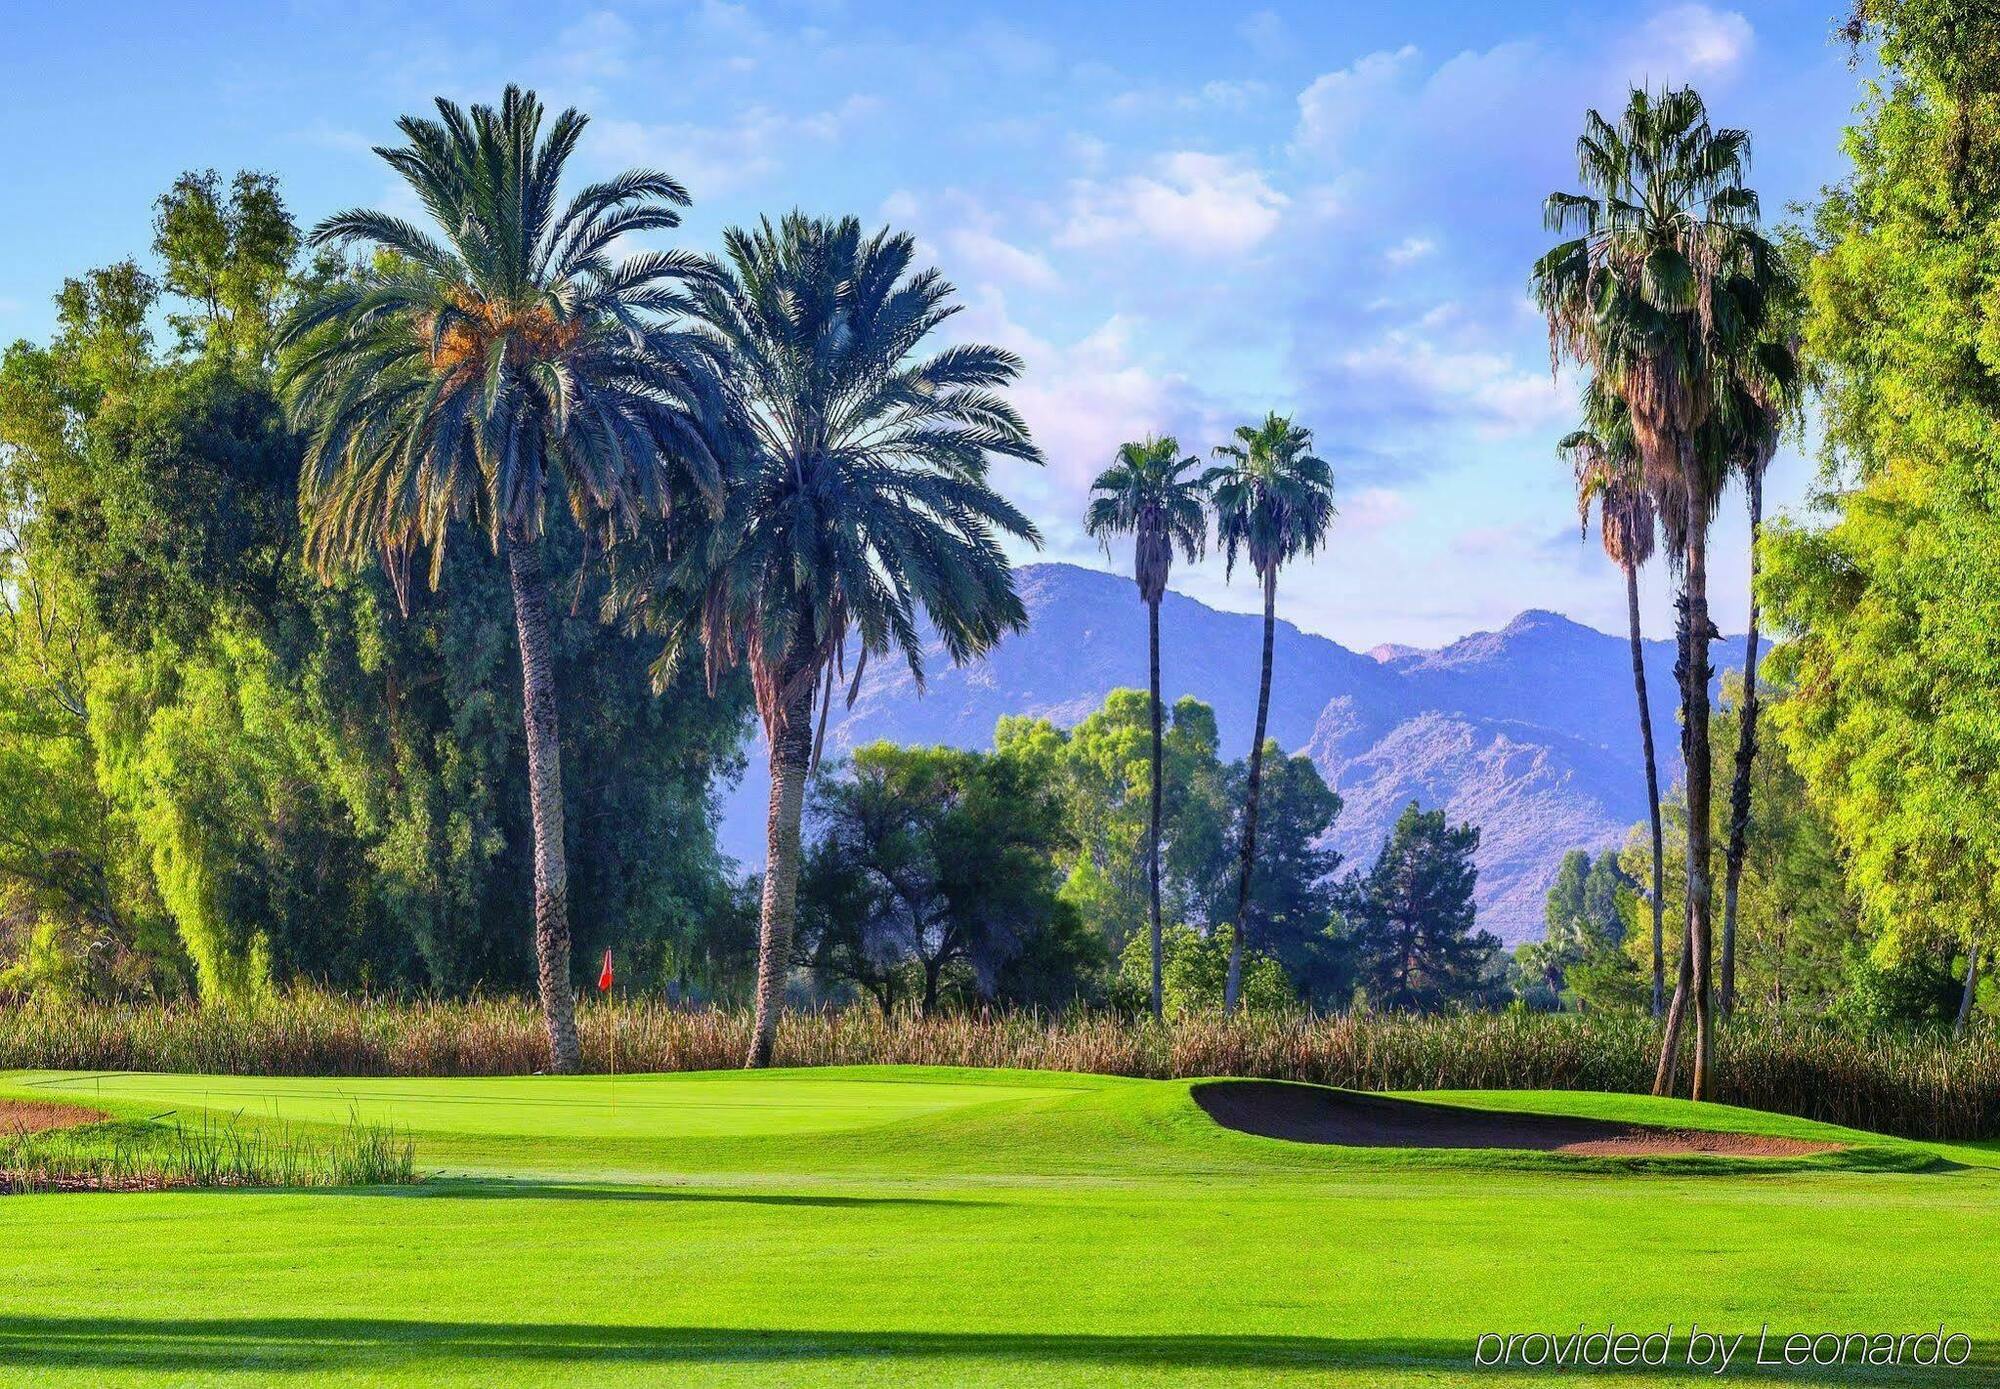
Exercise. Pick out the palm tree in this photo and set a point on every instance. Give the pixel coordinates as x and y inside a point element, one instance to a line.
<point>1148,495</point>
<point>1273,500</point>
<point>1607,473</point>
<point>1764,398</point>
<point>473,375</point>
<point>1663,286</point>
<point>860,498</point>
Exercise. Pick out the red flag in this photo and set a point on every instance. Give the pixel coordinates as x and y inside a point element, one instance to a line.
<point>604,979</point>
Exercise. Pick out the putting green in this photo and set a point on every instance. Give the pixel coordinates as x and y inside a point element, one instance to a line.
<point>881,1226</point>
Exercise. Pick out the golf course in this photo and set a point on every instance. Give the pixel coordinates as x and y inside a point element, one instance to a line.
<point>911,1224</point>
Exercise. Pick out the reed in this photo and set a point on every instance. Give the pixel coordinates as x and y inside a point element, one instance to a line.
<point>1915,1086</point>
<point>209,1154</point>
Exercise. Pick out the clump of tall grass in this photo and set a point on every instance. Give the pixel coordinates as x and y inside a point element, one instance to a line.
<point>210,1154</point>
<point>1917,1086</point>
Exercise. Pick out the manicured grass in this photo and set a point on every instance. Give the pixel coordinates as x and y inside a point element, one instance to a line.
<point>879,1225</point>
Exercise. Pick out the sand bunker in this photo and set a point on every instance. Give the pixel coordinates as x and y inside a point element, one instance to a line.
<point>1318,1114</point>
<point>34,1116</point>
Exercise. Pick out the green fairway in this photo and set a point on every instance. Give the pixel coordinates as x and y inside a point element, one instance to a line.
<point>945,1227</point>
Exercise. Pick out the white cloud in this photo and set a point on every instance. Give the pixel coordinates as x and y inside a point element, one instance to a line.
<point>1266,33</point>
<point>1488,389</point>
<point>1409,250</point>
<point>981,255</point>
<point>712,159</point>
<point>1690,41</point>
<point>1339,103</point>
<point>597,46</point>
<point>1082,399</point>
<point>1204,204</point>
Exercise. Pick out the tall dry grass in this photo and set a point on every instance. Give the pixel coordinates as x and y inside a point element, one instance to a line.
<point>1917,1086</point>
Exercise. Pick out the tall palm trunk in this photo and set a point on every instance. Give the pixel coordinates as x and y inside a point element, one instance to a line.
<point>1971,991</point>
<point>545,800</point>
<point>1746,756</point>
<point>1700,793</point>
<point>1652,780</point>
<point>1153,840</point>
<point>791,758</point>
<point>1234,985</point>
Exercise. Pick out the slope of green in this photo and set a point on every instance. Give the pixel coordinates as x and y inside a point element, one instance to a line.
<point>924,1226</point>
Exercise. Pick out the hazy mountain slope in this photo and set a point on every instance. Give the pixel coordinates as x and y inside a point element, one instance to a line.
<point>1529,732</point>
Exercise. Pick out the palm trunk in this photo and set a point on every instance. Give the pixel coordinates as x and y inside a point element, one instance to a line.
<point>1234,987</point>
<point>1970,992</point>
<point>1700,774</point>
<point>1652,783</point>
<point>791,758</point>
<point>1153,841</point>
<point>1746,756</point>
<point>545,801</point>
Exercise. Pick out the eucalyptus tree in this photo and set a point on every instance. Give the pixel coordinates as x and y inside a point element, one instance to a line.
<point>1663,286</point>
<point>1153,495</point>
<point>1273,502</point>
<point>1607,476</point>
<point>858,501</point>
<point>470,378</point>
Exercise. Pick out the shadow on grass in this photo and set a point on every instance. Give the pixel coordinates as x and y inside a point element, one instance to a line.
<point>304,1344</point>
<point>513,1189</point>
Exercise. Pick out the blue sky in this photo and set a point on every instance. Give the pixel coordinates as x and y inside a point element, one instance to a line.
<point>1181,214</point>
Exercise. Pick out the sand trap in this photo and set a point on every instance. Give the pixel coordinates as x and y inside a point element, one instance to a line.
<point>1319,1114</point>
<point>34,1116</point>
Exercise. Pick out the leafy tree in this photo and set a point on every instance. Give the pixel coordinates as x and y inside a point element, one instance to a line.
<point>1150,495</point>
<point>1798,919</point>
<point>1197,971</point>
<point>1893,609</point>
<point>1410,918</point>
<point>1578,956</point>
<point>934,863</point>
<point>480,378</point>
<point>1273,501</point>
<point>228,254</point>
<point>1606,459</point>
<point>1665,292</point>
<point>861,498</point>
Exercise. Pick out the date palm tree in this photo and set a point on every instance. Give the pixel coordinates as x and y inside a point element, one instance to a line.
<point>1151,495</point>
<point>1273,502</point>
<point>1607,476</point>
<point>469,378</point>
<point>860,501</point>
<point>1663,285</point>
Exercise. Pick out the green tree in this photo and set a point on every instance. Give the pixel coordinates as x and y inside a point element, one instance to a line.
<point>1606,460</point>
<point>1664,292</point>
<point>1273,502</point>
<point>480,378</point>
<point>1893,609</point>
<point>862,498</point>
<point>1410,918</point>
<point>1150,494</point>
<point>932,863</point>
<point>1799,930</point>
<point>1197,971</point>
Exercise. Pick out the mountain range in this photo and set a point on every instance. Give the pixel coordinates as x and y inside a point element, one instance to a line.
<point>1530,732</point>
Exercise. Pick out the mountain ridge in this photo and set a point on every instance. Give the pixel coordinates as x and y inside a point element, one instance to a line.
<point>1527,730</point>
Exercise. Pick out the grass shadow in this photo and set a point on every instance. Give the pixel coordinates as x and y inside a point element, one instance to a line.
<point>306,1344</point>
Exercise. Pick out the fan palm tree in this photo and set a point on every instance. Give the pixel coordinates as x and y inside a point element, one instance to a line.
<point>471,376</point>
<point>1150,495</point>
<point>1762,400</point>
<point>1273,501</point>
<point>861,499</point>
<point>1607,475</point>
<point>1664,283</point>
